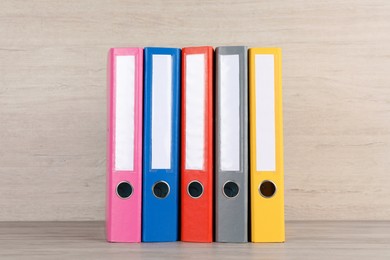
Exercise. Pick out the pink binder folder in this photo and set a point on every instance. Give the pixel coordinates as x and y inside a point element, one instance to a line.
<point>124,140</point>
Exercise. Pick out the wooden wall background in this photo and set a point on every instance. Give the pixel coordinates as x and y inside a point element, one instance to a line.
<point>336,62</point>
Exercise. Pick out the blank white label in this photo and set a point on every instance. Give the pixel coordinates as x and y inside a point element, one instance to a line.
<point>195,111</point>
<point>265,112</point>
<point>124,112</point>
<point>229,107</point>
<point>161,111</point>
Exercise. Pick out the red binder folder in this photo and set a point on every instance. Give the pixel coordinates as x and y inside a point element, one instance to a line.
<point>197,145</point>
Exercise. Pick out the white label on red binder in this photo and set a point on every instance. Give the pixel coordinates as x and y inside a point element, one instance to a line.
<point>124,112</point>
<point>161,111</point>
<point>229,113</point>
<point>265,112</point>
<point>195,111</point>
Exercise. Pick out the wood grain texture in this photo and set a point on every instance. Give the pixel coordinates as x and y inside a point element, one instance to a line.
<point>336,60</point>
<point>317,240</point>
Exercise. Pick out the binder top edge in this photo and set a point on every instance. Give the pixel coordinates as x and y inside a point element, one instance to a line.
<point>158,50</point>
<point>226,50</point>
<point>126,51</point>
<point>231,47</point>
<point>198,49</point>
<point>161,48</point>
<point>265,50</point>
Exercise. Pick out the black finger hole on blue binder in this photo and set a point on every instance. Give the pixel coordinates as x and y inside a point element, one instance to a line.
<point>161,189</point>
<point>267,189</point>
<point>124,190</point>
<point>230,189</point>
<point>195,189</point>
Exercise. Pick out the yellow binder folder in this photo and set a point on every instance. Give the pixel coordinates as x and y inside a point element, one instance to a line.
<point>266,145</point>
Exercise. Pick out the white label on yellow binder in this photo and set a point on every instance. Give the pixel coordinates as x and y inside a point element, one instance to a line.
<point>161,111</point>
<point>124,112</point>
<point>195,111</point>
<point>230,112</point>
<point>265,112</point>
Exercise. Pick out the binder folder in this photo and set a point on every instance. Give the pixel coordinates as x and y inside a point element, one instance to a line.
<point>231,189</point>
<point>266,145</point>
<point>160,215</point>
<point>197,145</point>
<point>124,151</point>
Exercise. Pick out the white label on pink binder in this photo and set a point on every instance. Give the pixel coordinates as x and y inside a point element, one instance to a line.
<point>124,112</point>
<point>195,111</point>
<point>161,111</point>
<point>229,113</point>
<point>265,112</point>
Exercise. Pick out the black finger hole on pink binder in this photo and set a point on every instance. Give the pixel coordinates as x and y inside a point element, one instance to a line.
<point>267,189</point>
<point>230,189</point>
<point>195,189</point>
<point>124,190</point>
<point>161,189</point>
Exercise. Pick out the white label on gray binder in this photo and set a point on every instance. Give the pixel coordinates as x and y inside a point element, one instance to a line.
<point>229,113</point>
<point>124,112</point>
<point>161,111</point>
<point>195,111</point>
<point>265,112</point>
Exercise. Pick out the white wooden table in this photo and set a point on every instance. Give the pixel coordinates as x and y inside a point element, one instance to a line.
<point>305,240</point>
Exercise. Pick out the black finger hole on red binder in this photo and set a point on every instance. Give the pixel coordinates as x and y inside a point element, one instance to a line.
<point>161,189</point>
<point>124,190</point>
<point>230,189</point>
<point>267,189</point>
<point>195,189</point>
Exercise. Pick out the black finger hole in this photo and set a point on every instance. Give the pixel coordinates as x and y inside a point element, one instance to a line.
<point>124,190</point>
<point>267,189</point>
<point>231,189</point>
<point>195,189</point>
<point>161,189</point>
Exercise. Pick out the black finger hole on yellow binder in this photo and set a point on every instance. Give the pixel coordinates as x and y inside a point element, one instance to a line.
<point>267,189</point>
<point>124,190</point>
<point>195,189</point>
<point>161,189</point>
<point>230,189</point>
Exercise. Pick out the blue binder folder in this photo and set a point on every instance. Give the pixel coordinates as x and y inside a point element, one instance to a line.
<point>160,214</point>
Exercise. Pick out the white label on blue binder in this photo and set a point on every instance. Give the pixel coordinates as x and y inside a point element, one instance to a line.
<point>195,111</point>
<point>124,112</point>
<point>161,111</point>
<point>265,112</point>
<point>229,113</point>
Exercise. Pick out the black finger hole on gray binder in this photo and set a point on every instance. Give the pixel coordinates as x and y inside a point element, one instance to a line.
<point>267,189</point>
<point>124,190</point>
<point>195,189</point>
<point>230,189</point>
<point>161,189</point>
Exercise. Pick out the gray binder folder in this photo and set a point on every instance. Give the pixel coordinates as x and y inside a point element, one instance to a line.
<point>231,213</point>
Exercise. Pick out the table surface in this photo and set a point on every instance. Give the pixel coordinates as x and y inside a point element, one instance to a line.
<point>305,240</point>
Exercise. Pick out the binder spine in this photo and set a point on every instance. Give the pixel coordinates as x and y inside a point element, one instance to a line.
<point>124,145</point>
<point>266,146</point>
<point>197,145</point>
<point>161,145</point>
<point>231,189</point>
